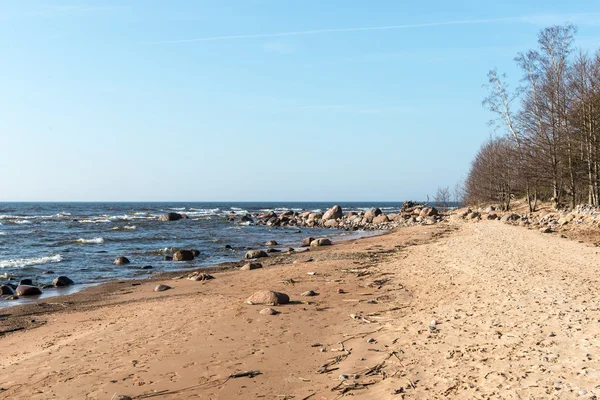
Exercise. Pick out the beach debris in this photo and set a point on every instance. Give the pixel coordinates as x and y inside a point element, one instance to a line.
<point>121,260</point>
<point>62,281</point>
<point>311,273</point>
<point>341,291</point>
<point>120,397</point>
<point>268,311</point>
<point>183,255</point>
<point>255,254</point>
<point>328,366</point>
<point>268,297</point>
<point>289,282</point>
<point>250,266</point>
<point>162,288</point>
<point>250,374</point>
<point>271,243</point>
<point>360,318</point>
<point>27,290</point>
<point>309,293</point>
<point>321,242</point>
<point>199,276</point>
<point>6,290</point>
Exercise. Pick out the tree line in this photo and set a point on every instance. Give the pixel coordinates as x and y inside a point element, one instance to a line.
<point>549,148</point>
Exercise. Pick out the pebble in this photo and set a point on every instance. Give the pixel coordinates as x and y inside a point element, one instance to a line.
<point>582,392</point>
<point>371,340</point>
<point>311,273</point>
<point>269,311</point>
<point>551,334</point>
<point>309,293</point>
<point>433,323</point>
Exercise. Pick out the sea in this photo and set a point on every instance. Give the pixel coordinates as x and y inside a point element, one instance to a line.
<point>40,241</point>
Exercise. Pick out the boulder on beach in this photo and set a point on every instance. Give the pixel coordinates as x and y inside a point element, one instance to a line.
<point>121,260</point>
<point>428,212</point>
<point>381,219</point>
<point>372,213</point>
<point>183,255</point>
<point>255,254</point>
<point>27,282</point>
<point>334,212</point>
<point>268,297</point>
<point>250,266</point>
<point>61,281</point>
<point>162,288</point>
<point>331,223</point>
<point>321,242</point>
<point>27,290</point>
<point>172,216</point>
<point>271,243</point>
<point>6,290</point>
<point>199,276</point>
<point>268,311</point>
<point>306,242</point>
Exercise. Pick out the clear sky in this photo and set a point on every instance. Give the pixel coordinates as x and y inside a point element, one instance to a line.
<point>254,100</point>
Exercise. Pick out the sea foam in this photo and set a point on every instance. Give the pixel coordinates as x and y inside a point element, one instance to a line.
<point>25,262</point>
<point>97,240</point>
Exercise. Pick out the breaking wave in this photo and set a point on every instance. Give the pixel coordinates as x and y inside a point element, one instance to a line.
<point>25,262</point>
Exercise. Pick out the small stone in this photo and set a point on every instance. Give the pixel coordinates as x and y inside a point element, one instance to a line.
<point>371,340</point>
<point>271,243</point>
<point>268,297</point>
<point>199,276</point>
<point>582,392</point>
<point>551,334</point>
<point>162,288</point>
<point>121,260</point>
<point>269,311</point>
<point>48,272</point>
<point>341,291</point>
<point>61,281</point>
<point>309,293</point>
<point>147,267</point>
<point>255,254</point>
<point>433,323</point>
<point>311,273</point>
<point>343,377</point>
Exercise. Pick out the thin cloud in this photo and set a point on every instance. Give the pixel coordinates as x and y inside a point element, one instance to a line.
<point>522,19</point>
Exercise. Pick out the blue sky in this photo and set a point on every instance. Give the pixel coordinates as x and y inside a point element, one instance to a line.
<point>254,100</point>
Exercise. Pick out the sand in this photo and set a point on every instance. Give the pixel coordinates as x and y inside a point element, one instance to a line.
<point>468,310</point>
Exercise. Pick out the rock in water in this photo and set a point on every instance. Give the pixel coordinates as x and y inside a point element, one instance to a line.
<point>268,297</point>
<point>162,288</point>
<point>26,290</point>
<point>255,254</point>
<point>271,243</point>
<point>27,282</point>
<point>6,290</point>
<point>170,217</point>
<point>269,311</point>
<point>321,242</point>
<point>121,260</point>
<point>306,242</point>
<point>250,266</point>
<point>60,281</point>
<point>183,255</point>
<point>334,212</point>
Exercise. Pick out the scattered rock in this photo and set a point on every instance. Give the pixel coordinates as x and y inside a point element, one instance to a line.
<point>321,242</point>
<point>183,255</point>
<point>268,297</point>
<point>168,258</point>
<point>199,276</point>
<point>306,242</point>
<point>27,290</point>
<point>147,267</point>
<point>48,272</point>
<point>121,260</point>
<point>162,288</point>
<point>271,243</point>
<point>228,247</point>
<point>309,293</point>
<point>273,251</point>
<point>6,290</point>
<point>27,282</point>
<point>196,253</point>
<point>371,340</point>
<point>269,311</point>
<point>546,230</point>
<point>255,254</point>
<point>61,281</point>
<point>250,266</point>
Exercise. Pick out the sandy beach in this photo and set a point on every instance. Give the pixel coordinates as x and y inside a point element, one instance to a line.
<point>456,310</point>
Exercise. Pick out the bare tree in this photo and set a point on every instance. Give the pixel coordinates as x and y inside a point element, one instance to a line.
<point>442,197</point>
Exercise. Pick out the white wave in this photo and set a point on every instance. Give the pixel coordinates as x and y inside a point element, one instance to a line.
<point>22,221</point>
<point>25,262</point>
<point>127,227</point>
<point>2,233</point>
<point>94,221</point>
<point>237,209</point>
<point>97,240</point>
<point>177,208</point>
<point>119,218</point>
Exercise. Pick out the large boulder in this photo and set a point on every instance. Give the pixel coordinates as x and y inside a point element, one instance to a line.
<point>27,290</point>
<point>268,297</point>
<point>306,241</point>
<point>255,254</point>
<point>6,290</point>
<point>61,281</point>
<point>381,219</point>
<point>334,212</point>
<point>247,218</point>
<point>250,266</point>
<point>428,212</point>
<point>321,242</point>
<point>121,260</point>
<point>172,216</point>
<point>371,214</point>
<point>183,255</point>
<point>331,223</point>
